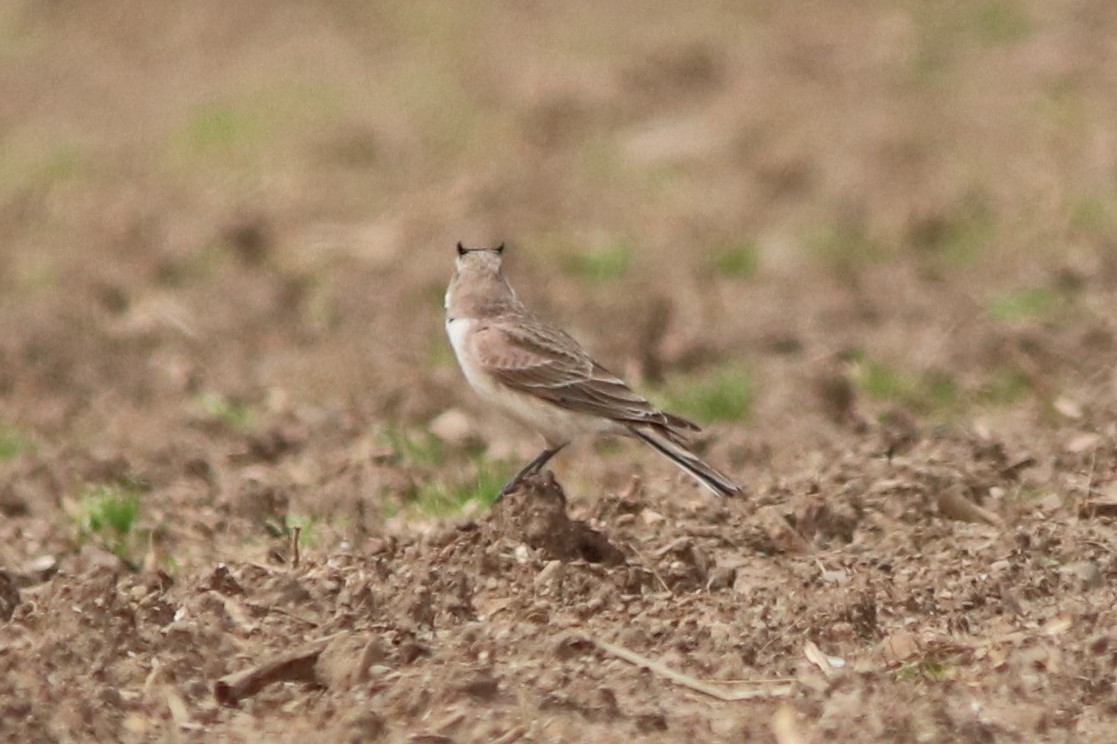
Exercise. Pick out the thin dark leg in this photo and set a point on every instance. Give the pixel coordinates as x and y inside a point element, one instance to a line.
<point>532,468</point>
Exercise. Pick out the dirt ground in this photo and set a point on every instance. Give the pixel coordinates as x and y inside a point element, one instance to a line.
<point>245,492</point>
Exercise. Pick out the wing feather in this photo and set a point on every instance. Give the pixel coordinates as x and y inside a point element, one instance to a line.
<point>531,357</point>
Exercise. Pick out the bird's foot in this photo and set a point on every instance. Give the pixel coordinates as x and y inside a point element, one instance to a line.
<point>508,488</point>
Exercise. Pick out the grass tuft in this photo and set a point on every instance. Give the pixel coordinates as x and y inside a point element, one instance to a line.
<point>722,395</point>
<point>233,414</point>
<point>739,260</point>
<point>12,442</point>
<point>958,237</point>
<point>846,249</point>
<point>936,393</point>
<point>1092,213</point>
<point>414,447</point>
<point>1005,387</point>
<point>41,171</point>
<point>307,526</point>
<point>473,479</point>
<point>107,514</point>
<point>999,22</point>
<point>927,669</point>
<point>1039,303</point>
<point>931,392</point>
<point>221,128</point>
<point>240,131</point>
<point>602,264</point>
<point>204,264</point>
<point>446,498</point>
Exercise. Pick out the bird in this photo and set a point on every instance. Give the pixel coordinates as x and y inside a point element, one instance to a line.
<point>540,376</point>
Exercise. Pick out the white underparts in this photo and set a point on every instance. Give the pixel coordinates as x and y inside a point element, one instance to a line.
<point>555,424</point>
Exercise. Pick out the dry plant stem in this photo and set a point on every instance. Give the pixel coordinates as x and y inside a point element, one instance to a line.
<point>644,561</point>
<point>511,735</point>
<point>295,546</point>
<point>698,685</point>
<point>292,666</point>
<point>1084,496</point>
<point>293,616</point>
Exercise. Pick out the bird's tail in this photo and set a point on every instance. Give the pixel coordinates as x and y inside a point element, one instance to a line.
<point>716,482</point>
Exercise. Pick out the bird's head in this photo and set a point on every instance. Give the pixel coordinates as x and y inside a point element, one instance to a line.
<point>478,283</point>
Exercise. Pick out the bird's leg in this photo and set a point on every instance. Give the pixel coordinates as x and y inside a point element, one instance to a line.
<point>531,468</point>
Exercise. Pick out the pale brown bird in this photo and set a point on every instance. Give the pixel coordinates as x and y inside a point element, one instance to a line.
<point>544,379</point>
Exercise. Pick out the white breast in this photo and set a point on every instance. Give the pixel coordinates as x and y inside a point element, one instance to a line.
<point>459,331</point>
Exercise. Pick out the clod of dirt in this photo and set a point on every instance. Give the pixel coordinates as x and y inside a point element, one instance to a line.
<point>9,596</point>
<point>1088,574</point>
<point>366,726</point>
<point>275,443</point>
<point>298,665</point>
<point>250,239</point>
<point>223,581</point>
<point>12,504</point>
<point>535,513</point>
<point>686,567</point>
<point>346,661</point>
<point>483,686</point>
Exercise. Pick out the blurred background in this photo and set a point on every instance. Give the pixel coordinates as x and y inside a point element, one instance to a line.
<point>871,246</point>
<point>787,220</point>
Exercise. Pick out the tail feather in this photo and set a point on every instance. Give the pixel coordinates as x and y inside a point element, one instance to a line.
<point>675,451</point>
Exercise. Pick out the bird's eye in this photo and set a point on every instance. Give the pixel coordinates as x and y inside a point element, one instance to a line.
<point>500,249</point>
<point>462,250</point>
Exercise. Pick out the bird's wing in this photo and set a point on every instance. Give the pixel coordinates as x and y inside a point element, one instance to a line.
<point>531,357</point>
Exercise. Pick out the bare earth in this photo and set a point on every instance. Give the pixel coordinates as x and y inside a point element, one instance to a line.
<point>872,245</point>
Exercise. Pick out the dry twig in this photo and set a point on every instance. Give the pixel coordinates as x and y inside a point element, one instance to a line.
<point>292,666</point>
<point>749,692</point>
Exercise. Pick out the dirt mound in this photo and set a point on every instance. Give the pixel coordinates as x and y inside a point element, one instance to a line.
<point>536,513</point>
<point>503,628</point>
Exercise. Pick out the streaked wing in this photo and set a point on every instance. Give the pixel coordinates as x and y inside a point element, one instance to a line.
<point>532,357</point>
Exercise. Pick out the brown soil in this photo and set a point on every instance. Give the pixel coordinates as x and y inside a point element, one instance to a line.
<point>226,234</point>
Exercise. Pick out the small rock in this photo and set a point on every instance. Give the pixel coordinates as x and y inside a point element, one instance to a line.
<point>898,647</point>
<point>43,566</point>
<point>721,578</point>
<point>452,426</point>
<point>1082,443</point>
<point>1088,572</point>
<point>1068,408</point>
<point>549,574</point>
